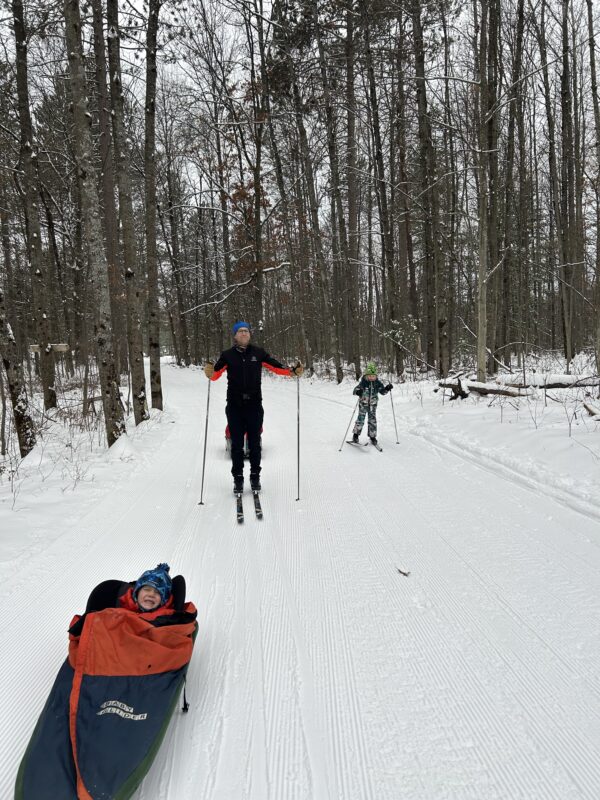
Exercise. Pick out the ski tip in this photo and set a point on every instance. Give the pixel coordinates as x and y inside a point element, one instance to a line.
<point>402,572</point>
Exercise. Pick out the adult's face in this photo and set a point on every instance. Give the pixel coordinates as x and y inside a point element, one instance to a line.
<point>242,337</point>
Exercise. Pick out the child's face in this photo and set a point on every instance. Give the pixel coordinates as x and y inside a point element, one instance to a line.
<point>148,598</point>
<point>371,377</point>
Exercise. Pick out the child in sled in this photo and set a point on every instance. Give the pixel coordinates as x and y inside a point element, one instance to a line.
<point>368,390</point>
<point>152,591</point>
<point>153,595</point>
<point>114,695</point>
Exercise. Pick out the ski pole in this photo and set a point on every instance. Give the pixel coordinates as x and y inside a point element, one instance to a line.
<point>394,413</point>
<point>205,438</point>
<point>298,448</point>
<point>350,423</point>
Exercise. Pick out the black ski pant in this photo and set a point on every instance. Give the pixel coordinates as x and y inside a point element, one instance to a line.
<point>246,418</point>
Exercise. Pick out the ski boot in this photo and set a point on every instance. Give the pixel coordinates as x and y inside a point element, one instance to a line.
<point>255,482</point>
<point>355,438</point>
<point>373,439</point>
<point>238,484</point>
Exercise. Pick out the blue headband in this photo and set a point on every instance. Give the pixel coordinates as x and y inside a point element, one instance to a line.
<point>239,325</point>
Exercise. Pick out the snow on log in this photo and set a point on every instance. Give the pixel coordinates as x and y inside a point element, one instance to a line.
<point>462,388</point>
<point>547,380</point>
<point>593,411</point>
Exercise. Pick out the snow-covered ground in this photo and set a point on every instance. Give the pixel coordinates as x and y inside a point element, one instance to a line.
<point>320,672</point>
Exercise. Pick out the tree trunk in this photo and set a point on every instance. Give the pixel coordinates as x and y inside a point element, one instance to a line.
<point>131,265</point>
<point>483,219</point>
<point>596,104</point>
<point>172,195</point>
<point>330,328</point>
<point>567,188</point>
<point>387,235</point>
<point>110,225</point>
<point>150,218</point>
<point>558,197</point>
<point>435,311</point>
<point>491,117</point>
<point>446,328</point>
<point>334,166</point>
<point>30,193</point>
<point>16,383</point>
<point>109,379</point>
<point>352,181</point>
<point>511,211</point>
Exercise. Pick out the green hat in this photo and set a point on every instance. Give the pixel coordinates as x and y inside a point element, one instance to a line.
<point>371,368</point>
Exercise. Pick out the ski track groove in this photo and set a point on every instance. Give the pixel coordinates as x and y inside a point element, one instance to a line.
<point>577,566</point>
<point>343,676</point>
<point>540,695</point>
<point>260,781</point>
<point>555,493</point>
<point>312,676</point>
<point>583,765</point>
<point>436,676</point>
<point>283,744</point>
<point>312,739</point>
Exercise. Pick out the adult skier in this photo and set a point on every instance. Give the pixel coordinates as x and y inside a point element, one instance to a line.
<point>368,390</point>
<point>244,410</point>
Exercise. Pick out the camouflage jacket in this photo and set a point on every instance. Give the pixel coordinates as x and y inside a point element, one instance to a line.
<point>368,390</point>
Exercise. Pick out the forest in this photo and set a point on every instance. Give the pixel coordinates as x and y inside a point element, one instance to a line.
<point>412,182</point>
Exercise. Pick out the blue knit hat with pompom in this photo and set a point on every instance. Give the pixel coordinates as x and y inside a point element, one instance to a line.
<point>159,579</point>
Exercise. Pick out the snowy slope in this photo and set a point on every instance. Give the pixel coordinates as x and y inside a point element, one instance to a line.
<point>320,672</point>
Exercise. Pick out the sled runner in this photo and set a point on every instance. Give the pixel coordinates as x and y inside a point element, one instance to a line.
<point>112,699</point>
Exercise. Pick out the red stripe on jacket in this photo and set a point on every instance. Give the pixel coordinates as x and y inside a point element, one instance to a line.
<point>217,375</point>
<point>277,370</point>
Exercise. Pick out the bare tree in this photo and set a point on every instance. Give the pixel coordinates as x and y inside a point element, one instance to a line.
<point>154,7</point>
<point>30,193</point>
<point>130,259</point>
<point>90,206</point>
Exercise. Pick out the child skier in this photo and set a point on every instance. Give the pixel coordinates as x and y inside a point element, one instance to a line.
<point>368,390</point>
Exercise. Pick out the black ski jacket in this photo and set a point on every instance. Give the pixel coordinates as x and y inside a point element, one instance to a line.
<point>244,372</point>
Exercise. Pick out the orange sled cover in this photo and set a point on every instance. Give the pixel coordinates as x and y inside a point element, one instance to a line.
<point>110,705</point>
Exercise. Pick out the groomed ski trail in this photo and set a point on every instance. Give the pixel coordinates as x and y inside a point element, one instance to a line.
<point>319,672</point>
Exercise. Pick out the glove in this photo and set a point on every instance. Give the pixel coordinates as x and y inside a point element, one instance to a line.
<point>389,387</point>
<point>209,369</point>
<point>297,370</point>
<point>358,392</point>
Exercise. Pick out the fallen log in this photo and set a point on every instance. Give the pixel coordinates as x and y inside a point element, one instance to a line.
<point>593,411</point>
<point>462,388</point>
<point>547,381</point>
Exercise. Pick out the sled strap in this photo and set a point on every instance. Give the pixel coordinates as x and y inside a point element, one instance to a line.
<point>186,706</point>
